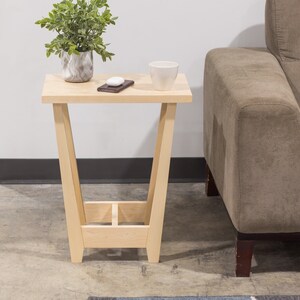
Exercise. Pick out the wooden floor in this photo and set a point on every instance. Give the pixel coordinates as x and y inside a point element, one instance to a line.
<point>197,257</point>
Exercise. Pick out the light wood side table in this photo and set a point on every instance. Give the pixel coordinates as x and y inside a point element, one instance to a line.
<point>85,220</point>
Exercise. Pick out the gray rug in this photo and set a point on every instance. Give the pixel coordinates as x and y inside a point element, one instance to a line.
<point>203,298</point>
<point>173,298</point>
<point>276,297</point>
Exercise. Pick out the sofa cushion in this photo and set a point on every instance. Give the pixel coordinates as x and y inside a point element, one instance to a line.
<point>283,38</point>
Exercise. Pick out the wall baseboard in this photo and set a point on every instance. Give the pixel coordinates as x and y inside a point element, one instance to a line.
<point>114,170</point>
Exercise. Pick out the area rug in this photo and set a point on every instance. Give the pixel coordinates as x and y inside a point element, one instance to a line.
<point>174,298</point>
<point>203,298</point>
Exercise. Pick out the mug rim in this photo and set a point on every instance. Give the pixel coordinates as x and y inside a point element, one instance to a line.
<point>163,64</point>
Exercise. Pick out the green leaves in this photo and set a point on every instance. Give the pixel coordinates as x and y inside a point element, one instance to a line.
<point>79,25</point>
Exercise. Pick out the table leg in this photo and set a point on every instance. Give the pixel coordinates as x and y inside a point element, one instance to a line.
<point>156,201</point>
<point>70,181</point>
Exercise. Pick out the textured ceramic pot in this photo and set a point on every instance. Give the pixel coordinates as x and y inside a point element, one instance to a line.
<point>77,68</point>
<point>163,74</point>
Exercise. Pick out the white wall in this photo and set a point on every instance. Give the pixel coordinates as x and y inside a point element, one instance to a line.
<point>146,30</point>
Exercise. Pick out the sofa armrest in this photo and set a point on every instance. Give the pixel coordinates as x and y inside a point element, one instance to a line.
<point>252,139</point>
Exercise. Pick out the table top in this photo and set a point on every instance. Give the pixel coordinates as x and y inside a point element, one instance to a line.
<point>56,90</point>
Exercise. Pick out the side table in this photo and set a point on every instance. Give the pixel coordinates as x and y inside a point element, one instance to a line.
<point>85,220</point>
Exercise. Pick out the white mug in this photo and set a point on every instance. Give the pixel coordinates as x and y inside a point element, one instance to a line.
<point>163,74</point>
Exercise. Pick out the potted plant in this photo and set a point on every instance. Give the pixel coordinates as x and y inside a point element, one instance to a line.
<point>79,26</point>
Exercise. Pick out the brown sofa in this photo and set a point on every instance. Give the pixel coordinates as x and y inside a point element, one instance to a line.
<point>252,132</point>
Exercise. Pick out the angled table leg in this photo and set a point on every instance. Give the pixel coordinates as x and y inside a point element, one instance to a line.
<point>70,181</point>
<point>156,201</point>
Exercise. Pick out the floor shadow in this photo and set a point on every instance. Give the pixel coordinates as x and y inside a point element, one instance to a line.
<point>276,257</point>
<point>112,255</point>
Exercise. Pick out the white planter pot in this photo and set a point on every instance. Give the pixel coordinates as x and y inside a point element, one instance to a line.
<point>77,68</point>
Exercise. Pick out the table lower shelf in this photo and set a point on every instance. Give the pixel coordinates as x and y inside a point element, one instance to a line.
<point>117,234</point>
<point>127,236</point>
<point>114,212</point>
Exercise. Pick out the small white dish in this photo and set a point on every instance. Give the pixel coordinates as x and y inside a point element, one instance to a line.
<point>163,74</point>
<point>115,81</point>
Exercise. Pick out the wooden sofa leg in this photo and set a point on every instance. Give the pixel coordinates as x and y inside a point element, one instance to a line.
<point>210,185</point>
<point>244,253</point>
